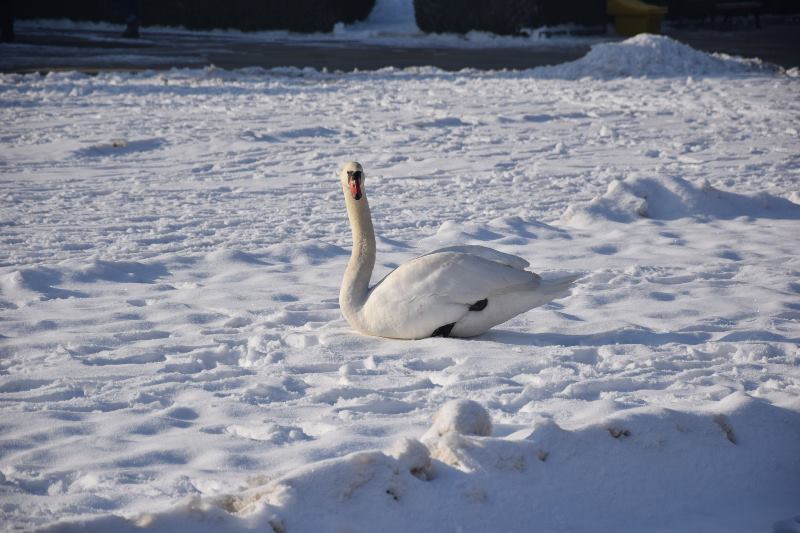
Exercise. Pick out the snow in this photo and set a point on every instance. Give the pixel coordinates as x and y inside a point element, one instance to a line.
<point>173,355</point>
<point>672,197</point>
<point>465,417</point>
<point>653,56</point>
<point>387,18</point>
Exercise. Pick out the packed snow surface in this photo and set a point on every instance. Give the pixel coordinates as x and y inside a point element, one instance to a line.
<point>173,356</point>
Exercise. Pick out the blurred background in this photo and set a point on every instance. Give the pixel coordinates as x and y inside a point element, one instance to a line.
<point>502,17</point>
<point>769,29</point>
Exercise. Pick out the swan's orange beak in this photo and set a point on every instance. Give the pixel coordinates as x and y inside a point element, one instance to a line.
<point>355,187</point>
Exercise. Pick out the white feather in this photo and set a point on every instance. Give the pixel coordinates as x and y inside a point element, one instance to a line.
<point>436,289</point>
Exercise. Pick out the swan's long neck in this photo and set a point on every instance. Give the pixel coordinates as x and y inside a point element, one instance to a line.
<point>355,285</point>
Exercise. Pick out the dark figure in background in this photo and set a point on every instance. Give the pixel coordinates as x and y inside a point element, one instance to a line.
<point>7,21</point>
<point>132,20</point>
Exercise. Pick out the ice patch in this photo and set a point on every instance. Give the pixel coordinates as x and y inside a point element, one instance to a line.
<point>670,198</point>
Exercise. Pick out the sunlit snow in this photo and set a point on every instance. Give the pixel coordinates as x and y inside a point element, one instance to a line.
<point>173,355</point>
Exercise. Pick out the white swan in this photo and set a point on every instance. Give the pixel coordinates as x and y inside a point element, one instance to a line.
<point>459,291</point>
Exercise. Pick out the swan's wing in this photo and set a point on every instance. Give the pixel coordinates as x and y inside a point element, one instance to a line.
<point>486,253</point>
<point>437,289</point>
<point>453,277</point>
<point>483,252</point>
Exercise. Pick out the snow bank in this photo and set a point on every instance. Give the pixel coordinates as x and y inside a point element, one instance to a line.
<point>651,56</point>
<point>669,198</point>
<point>735,463</point>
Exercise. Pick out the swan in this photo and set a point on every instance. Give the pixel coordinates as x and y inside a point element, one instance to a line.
<point>458,291</point>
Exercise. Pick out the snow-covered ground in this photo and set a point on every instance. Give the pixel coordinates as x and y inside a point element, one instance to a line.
<point>173,356</point>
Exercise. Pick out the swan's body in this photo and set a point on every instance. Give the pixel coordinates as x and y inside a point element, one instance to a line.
<point>459,291</point>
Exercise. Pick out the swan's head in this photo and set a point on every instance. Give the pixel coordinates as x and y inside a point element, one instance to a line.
<point>353,179</point>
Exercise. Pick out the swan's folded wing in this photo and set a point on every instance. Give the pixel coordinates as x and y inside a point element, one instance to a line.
<point>486,253</point>
<point>452,277</point>
<point>437,289</point>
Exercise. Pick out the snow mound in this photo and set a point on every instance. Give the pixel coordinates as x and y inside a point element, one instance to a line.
<point>31,284</point>
<point>388,17</point>
<point>303,252</point>
<point>616,474</point>
<point>415,456</point>
<point>119,271</point>
<point>647,55</point>
<point>670,198</point>
<point>39,283</point>
<point>268,432</point>
<point>464,417</point>
<point>224,257</point>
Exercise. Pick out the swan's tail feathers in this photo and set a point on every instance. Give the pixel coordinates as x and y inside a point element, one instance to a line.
<point>512,301</point>
<point>557,287</point>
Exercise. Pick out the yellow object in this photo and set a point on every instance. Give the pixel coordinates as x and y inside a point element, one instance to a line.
<point>632,16</point>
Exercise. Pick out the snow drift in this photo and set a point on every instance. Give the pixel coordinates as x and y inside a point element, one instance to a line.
<point>652,56</point>
<point>670,198</point>
<point>617,474</point>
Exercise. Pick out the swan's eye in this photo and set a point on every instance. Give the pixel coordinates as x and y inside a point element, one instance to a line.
<point>353,174</point>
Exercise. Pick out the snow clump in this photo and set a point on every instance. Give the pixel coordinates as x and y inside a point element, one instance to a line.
<point>464,417</point>
<point>415,456</point>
